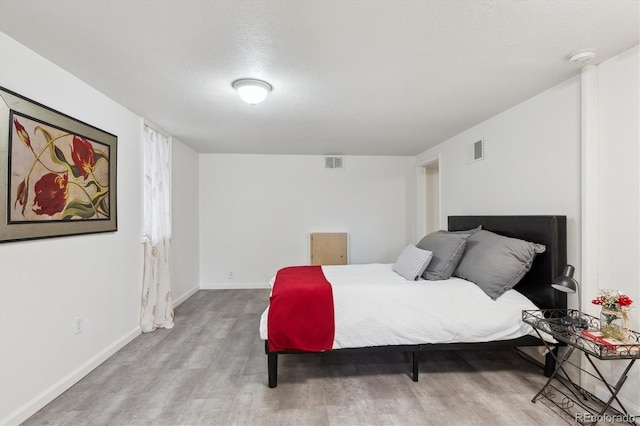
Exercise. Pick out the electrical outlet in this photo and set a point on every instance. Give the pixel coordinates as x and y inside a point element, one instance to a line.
<point>230,275</point>
<point>77,323</point>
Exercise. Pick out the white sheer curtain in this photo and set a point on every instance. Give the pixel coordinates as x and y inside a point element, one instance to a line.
<point>157,300</point>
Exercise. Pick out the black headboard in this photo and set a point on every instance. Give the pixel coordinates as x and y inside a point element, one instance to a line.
<point>548,230</point>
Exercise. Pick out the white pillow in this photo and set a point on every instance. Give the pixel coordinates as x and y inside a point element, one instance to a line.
<point>412,262</point>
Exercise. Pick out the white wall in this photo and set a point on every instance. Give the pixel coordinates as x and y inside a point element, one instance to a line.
<point>256,212</point>
<point>619,175</point>
<point>531,163</point>
<point>45,284</point>
<point>185,274</point>
<point>615,226</point>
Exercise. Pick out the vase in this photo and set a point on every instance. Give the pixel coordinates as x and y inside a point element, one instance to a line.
<point>612,324</point>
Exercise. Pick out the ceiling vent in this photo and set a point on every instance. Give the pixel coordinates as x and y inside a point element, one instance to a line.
<point>334,162</point>
<point>476,151</point>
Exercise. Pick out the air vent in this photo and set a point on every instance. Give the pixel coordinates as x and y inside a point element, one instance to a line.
<point>334,163</point>
<point>476,151</point>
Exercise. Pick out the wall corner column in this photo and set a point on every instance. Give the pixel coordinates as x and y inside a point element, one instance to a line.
<point>589,182</point>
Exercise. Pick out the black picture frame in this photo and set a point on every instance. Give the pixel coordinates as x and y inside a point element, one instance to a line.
<point>58,176</point>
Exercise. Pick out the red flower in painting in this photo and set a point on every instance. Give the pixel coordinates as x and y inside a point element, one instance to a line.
<point>21,198</point>
<point>51,194</point>
<point>83,156</point>
<point>22,133</point>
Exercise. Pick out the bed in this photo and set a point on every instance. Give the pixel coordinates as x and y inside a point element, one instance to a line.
<point>374,308</point>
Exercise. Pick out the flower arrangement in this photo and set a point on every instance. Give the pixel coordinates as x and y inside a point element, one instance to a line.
<point>613,300</point>
<point>615,307</point>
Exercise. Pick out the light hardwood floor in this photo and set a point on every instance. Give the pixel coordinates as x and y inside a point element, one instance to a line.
<point>210,369</point>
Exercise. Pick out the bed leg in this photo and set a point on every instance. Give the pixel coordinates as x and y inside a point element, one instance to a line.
<point>550,362</point>
<point>272,366</point>
<point>414,356</point>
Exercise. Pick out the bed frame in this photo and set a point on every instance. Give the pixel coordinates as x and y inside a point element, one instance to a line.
<point>548,230</point>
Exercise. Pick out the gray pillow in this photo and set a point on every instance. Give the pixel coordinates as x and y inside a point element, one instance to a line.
<point>447,248</point>
<point>496,263</point>
<point>412,262</point>
<point>468,231</point>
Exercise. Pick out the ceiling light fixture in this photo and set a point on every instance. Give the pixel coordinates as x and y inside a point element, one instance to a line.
<point>583,55</point>
<point>252,91</point>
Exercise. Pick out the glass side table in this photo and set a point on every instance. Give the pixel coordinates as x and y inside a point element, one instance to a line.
<point>566,326</point>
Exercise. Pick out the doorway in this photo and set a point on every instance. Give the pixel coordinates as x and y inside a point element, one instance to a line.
<point>429,218</point>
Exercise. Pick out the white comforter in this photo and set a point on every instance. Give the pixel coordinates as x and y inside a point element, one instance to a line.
<point>374,306</point>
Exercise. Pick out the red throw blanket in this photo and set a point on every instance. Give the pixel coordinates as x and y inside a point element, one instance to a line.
<point>301,311</point>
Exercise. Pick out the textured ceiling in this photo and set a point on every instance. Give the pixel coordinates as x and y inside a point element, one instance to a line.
<point>350,77</point>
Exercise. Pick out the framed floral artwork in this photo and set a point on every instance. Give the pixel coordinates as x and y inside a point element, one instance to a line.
<point>58,174</point>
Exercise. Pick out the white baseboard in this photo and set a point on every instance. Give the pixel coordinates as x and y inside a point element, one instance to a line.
<point>32,407</point>
<point>185,296</point>
<point>232,285</point>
